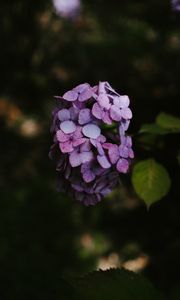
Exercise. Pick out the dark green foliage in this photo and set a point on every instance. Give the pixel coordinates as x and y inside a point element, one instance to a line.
<point>115,284</point>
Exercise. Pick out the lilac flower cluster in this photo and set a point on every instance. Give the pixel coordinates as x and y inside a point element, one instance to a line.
<point>68,9</point>
<point>90,145</point>
<point>176,5</point>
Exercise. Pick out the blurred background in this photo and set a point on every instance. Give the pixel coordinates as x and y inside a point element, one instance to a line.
<point>44,235</point>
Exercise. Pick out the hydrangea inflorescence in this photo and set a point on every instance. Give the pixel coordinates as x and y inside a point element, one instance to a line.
<point>90,145</point>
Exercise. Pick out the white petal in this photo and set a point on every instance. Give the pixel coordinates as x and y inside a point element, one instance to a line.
<point>124,101</point>
<point>91,130</point>
<point>68,127</point>
<point>86,156</point>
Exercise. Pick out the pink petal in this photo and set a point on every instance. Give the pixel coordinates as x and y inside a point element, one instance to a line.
<point>78,133</point>
<point>61,136</point>
<point>115,113</point>
<point>70,96</point>
<point>97,111</point>
<point>85,147</point>
<point>78,142</point>
<point>64,115</point>
<point>103,101</point>
<point>66,147</point>
<point>74,159</point>
<point>103,161</point>
<point>106,118</point>
<point>68,126</point>
<point>86,156</point>
<point>107,145</point>
<point>91,131</point>
<point>101,88</point>
<point>88,176</point>
<point>122,165</point>
<point>131,153</point>
<point>84,116</point>
<point>113,153</point>
<point>126,113</point>
<point>101,139</point>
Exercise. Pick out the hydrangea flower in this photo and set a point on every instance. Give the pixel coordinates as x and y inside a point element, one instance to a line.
<point>176,5</point>
<point>67,8</point>
<point>91,147</point>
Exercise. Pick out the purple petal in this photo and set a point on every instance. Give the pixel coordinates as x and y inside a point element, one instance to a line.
<point>103,161</point>
<point>85,167</point>
<point>128,141</point>
<point>88,176</point>
<point>126,113</point>
<point>97,111</point>
<point>91,131</point>
<point>68,126</point>
<point>115,113</point>
<point>81,87</point>
<point>86,156</point>
<point>77,187</point>
<point>84,116</point>
<point>100,148</point>
<point>106,191</point>
<point>122,165</point>
<point>74,112</point>
<point>66,147</point>
<point>64,115</point>
<point>70,96</point>
<point>85,147</point>
<point>103,101</point>
<point>85,95</point>
<point>123,151</point>
<point>75,159</point>
<point>113,154</point>
<point>123,126</point>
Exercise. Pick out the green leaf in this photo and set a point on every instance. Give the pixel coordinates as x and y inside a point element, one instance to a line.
<point>115,284</point>
<point>169,122</point>
<point>154,129</point>
<point>151,181</point>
